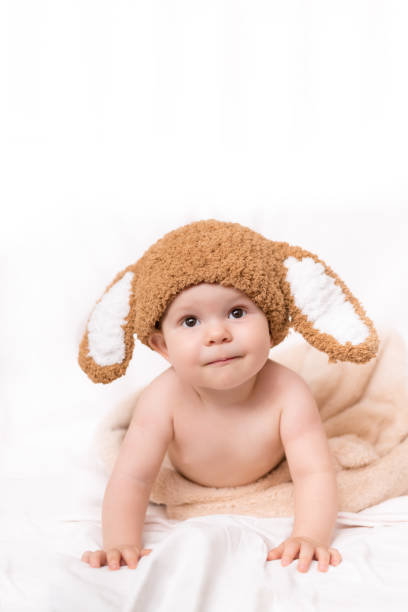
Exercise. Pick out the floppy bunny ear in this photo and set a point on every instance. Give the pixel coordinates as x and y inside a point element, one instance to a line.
<point>324,310</point>
<point>107,344</point>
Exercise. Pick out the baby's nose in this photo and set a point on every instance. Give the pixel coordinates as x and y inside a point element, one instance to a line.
<point>218,334</point>
<point>218,340</point>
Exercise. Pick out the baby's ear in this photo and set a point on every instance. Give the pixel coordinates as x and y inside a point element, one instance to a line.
<point>107,344</point>
<point>323,309</point>
<point>157,342</point>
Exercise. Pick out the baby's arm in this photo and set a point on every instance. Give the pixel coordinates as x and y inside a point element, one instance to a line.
<point>127,493</point>
<point>315,484</point>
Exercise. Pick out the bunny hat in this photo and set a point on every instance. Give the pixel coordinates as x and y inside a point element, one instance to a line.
<point>293,287</point>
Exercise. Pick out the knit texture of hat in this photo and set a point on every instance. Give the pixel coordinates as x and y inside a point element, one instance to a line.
<point>208,252</point>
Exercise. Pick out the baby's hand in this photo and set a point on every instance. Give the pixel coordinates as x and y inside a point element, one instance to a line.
<point>307,549</point>
<point>115,557</point>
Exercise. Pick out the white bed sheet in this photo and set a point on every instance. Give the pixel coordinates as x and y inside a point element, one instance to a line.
<point>210,563</point>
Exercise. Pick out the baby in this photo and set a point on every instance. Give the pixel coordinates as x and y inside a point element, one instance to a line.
<point>213,298</point>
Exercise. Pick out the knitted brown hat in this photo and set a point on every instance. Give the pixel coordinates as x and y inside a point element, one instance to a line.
<point>293,287</point>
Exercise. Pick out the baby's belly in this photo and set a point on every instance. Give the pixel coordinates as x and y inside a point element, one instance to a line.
<point>225,470</point>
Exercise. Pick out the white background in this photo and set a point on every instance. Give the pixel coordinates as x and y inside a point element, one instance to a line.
<point>123,120</point>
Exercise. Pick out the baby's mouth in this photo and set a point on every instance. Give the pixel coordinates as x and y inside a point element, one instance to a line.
<point>223,360</point>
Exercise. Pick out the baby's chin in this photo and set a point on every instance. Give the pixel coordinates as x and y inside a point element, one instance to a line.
<point>227,376</point>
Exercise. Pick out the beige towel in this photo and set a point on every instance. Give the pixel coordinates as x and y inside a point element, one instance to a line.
<point>364,409</point>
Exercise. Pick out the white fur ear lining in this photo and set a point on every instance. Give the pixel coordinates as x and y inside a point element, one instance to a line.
<point>323,302</point>
<point>106,338</point>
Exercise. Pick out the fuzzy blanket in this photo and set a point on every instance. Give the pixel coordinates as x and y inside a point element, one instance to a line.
<point>364,409</point>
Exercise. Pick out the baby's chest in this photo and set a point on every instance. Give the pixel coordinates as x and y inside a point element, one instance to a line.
<point>232,437</point>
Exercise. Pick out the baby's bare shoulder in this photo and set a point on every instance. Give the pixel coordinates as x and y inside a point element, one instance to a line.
<point>166,381</point>
<point>299,410</point>
<point>291,383</point>
<point>161,390</point>
<point>278,371</point>
<point>153,406</point>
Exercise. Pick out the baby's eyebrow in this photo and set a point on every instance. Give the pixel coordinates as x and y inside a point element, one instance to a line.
<point>190,307</point>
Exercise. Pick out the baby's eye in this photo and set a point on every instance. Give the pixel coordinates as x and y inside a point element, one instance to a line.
<point>189,319</point>
<point>237,310</point>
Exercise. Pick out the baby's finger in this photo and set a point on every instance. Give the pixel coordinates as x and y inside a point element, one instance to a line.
<point>323,557</point>
<point>290,552</point>
<point>275,553</point>
<point>335,556</point>
<point>305,556</point>
<point>85,556</point>
<point>131,555</point>
<point>97,558</point>
<point>113,558</point>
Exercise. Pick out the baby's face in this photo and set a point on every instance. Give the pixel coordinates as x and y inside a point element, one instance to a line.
<point>209,322</point>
